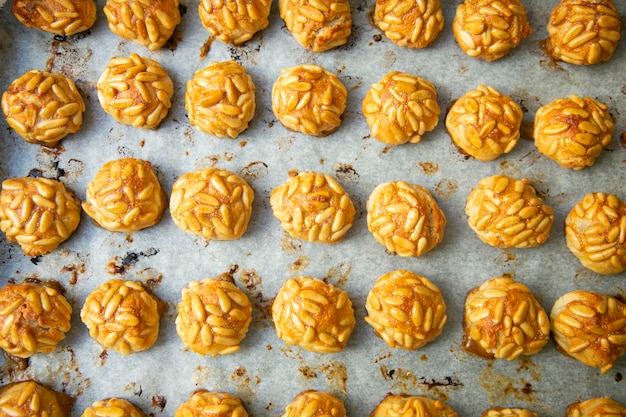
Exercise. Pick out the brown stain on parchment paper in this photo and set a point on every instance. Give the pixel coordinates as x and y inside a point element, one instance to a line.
<point>335,372</point>
<point>346,173</point>
<point>254,171</point>
<point>446,188</point>
<point>299,264</point>
<point>502,388</point>
<point>253,287</point>
<point>245,384</point>
<point>404,381</point>
<point>429,168</point>
<point>201,375</point>
<point>289,244</point>
<point>338,275</point>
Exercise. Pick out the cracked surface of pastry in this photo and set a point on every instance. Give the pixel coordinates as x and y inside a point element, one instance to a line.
<point>203,403</point>
<point>29,398</point>
<point>61,17</point>
<point>233,21</point>
<point>412,24</point>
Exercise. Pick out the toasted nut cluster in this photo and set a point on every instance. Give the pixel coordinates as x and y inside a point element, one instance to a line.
<point>220,99</point>
<point>125,196</point>
<point>410,23</point>
<point>313,206</point>
<point>31,399</point>
<point>38,213</point>
<point>490,29</point>
<point>43,108</point>
<point>405,309</point>
<point>33,319</point>
<point>404,405</point>
<point>213,203</point>
<point>315,404</point>
<point>213,316</point>
<point>318,25</point>
<point>136,91</point>
<point>503,320</point>
<point>313,314</point>
<point>61,17</point>
<point>211,404</point>
<point>590,327</point>
<point>583,32</point>
<point>596,407</point>
<point>595,231</point>
<point>508,412</point>
<point>400,108</point>
<point>405,218</point>
<point>484,123</point>
<point>233,21</point>
<point>506,213</point>
<point>147,23</point>
<point>123,316</point>
<point>572,131</point>
<point>309,99</point>
<point>113,407</point>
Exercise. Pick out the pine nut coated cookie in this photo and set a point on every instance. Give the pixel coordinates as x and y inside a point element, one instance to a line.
<point>583,32</point>
<point>405,309</point>
<point>315,404</point>
<point>590,327</point>
<point>61,17</point>
<point>490,29</point>
<point>213,203</point>
<point>507,213</point>
<point>417,406</point>
<point>135,91</point>
<point>503,320</point>
<point>595,232</point>
<point>203,403</point>
<point>38,213</point>
<point>125,196</point>
<point>484,123</point>
<point>123,316</point>
<point>309,99</point>
<point>43,107</point>
<point>400,108</point>
<point>318,25</point>
<point>233,21</point>
<point>600,407</point>
<point>405,218</point>
<point>313,314</point>
<point>220,99</point>
<point>573,131</point>
<point>29,398</point>
<point>409,23</point>
<point>33,319</point>
<point>148,23</point>
<point>508,412</point>
<point>113,407</point>
<point>213,316</point>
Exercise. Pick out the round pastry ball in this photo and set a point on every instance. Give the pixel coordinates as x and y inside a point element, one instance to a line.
<point>405,309</point>
<point>135,91</point>
<point>583,32</point>
<point>595,232</point>
<point>125,196</point>
<point>318,25</point>
<point>315,404</point>
<point>573,131</point>
<point>211,404</point>
<point>233,21</point>
<point>123,316</point>
<point>313,314</point>
<point>32,399</point>
<point>405,218</point>
<point>507,213</point>
<point>313,206</point>
<point>213,316</point>
<point>590,327</point>
<point>400,108</point>
<point>213,203</point>
<point>61,17</point>
<point>38,213</point>
<point>484,123</point>
<point>417,406</point>
<point>43,107</point>
<point>508,412</point>
<point>596,407</point>
<point>117,407</point>
<point>411,24</point>
<point>148,23</point>
<point>220,99</point>
<point>503,319</point>
<point>36,318</point>
<point>490,29</point>
<point>309,99</point>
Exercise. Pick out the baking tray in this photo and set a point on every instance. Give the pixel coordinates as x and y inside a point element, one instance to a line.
<point>266,374</point>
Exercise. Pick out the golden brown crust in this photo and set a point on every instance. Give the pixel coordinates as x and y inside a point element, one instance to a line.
<point>61,17</point>
<point>596,407</point>
<point>125,196</point>
<point>233,21</point>
<point>32,399</point>
<point>414,24</point>
<point>400,108</point>
<point>508,412</point>
<point>315,404</point>
<point>417,406</point>
<point>43,107</point>
<point>211,404</point>
<point>117,407</point>
<point>313,314</point>
<point>38,213</point>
